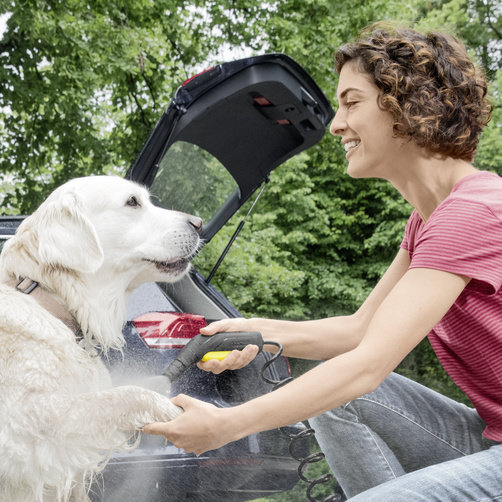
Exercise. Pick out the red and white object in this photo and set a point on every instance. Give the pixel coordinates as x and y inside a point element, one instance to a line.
<point>168,330</point>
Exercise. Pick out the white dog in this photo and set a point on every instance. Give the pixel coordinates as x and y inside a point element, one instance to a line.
<point>88,245</point>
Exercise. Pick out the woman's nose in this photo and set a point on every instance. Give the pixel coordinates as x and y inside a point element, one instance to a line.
<point>338,124</point>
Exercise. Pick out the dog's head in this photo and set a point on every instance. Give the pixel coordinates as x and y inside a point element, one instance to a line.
<point>105,225</point>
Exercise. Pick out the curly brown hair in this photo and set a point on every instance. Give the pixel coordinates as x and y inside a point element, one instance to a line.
<point>435,93</point>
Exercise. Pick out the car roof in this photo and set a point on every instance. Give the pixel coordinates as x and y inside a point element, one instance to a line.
<point>8,225</point>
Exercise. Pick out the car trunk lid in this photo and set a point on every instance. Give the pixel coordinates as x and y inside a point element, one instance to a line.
<point>225,130</point>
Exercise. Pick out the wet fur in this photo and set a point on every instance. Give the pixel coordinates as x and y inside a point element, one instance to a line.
<point>61,418</point>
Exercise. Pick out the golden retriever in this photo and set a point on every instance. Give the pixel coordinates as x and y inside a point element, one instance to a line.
<point>87,246</point>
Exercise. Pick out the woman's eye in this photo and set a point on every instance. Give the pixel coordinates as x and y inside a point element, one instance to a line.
<point>132,202</point>
<point>350,103</point>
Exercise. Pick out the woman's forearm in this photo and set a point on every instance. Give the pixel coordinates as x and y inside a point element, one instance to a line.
<point>318,340</point>
<point>327,386</point>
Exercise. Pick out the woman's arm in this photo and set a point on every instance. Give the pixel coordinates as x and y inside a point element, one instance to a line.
<point>318,340</point>
<point>406,315</point>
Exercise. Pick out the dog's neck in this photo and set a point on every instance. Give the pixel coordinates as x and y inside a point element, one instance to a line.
<point>100,317</point>
<point>104,313</point>
<point>97,301</point>
<point>47,300</point>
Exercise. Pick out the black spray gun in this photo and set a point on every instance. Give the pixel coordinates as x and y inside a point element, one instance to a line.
<point>202,348</point>
<point>206,347</point>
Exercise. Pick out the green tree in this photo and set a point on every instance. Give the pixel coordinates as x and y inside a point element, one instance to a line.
<point>333,234</point>
<point>83,83</point>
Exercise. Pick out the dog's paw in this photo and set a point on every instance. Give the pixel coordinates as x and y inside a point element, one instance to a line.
<point>161,409</point>
<point>172,411</point>
<point>144,407</point>
<point>169,411</point>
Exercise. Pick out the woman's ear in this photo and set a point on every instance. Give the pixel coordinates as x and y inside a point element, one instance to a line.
<point>66,237</point>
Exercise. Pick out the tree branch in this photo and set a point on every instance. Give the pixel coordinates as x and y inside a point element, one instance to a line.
<point>150,90</point>
<point>136,100</point>
<point>489,21</point>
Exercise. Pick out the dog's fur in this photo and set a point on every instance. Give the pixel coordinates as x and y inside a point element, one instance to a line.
<point>89,244</point>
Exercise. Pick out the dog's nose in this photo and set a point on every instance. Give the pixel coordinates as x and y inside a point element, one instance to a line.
<point>196,223</point>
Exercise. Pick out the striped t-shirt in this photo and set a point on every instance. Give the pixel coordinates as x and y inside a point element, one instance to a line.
<point>464,236</point>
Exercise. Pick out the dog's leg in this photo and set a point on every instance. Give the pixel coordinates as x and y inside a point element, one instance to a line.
<point>101,414</point>
<point>64,436</point>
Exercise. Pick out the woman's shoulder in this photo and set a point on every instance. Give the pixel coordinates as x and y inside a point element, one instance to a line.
<point>474,203</point>
<point>483,188</point>
<point>477,185</point>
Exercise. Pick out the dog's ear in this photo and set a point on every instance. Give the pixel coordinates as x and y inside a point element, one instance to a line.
<point>66,237</point>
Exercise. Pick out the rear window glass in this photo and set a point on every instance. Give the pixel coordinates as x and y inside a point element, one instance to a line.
<point>191,180</point>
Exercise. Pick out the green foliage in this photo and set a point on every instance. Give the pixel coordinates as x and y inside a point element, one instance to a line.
<point>82,85</point>
<point>489,155</point>
<point>172,188</point>
<point>477,23</point>
<point>300,254</point>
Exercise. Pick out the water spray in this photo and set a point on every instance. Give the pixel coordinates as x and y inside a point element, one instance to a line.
<point>219,346</point>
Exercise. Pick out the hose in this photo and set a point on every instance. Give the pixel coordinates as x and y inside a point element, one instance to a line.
<point>304,462</point>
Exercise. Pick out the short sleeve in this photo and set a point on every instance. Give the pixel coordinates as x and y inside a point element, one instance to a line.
<point>462,237</point>
<point>412,229</point>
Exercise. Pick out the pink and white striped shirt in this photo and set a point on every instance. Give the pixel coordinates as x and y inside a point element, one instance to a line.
<point>464,236</point>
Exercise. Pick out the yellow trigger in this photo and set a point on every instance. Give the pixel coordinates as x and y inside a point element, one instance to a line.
<point>220,355</point>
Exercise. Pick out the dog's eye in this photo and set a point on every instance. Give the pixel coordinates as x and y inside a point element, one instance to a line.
<point>132,202</point>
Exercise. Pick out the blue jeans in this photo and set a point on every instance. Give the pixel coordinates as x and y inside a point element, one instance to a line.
<point>405,442</point>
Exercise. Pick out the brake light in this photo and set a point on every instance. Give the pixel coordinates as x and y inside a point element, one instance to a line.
<point>188,80</point>
<point>202,79</point>
<point>168,330</point>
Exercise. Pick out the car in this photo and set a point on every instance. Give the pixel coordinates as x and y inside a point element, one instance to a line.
<point>223,133</point>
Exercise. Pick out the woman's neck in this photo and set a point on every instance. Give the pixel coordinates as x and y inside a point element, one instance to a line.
<point>428,180</point>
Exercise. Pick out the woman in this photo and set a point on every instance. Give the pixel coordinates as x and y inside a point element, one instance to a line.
<point>411,109</point>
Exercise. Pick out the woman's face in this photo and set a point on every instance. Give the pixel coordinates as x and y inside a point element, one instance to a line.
<point>365,129</point>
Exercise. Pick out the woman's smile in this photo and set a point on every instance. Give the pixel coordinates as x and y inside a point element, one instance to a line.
<point>350,146</point>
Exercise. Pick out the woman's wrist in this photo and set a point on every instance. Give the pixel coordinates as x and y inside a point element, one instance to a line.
<point>230,425</point>
<point>255,324</point>
<point>233,423</point>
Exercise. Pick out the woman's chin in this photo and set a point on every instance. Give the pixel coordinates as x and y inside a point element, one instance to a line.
<point>355,172</point>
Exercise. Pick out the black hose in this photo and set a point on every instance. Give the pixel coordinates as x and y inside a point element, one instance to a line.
<point>307,433</point>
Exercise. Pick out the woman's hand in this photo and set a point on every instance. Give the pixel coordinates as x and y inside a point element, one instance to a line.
<point>200,428</point>
<point>230,324</point>
<point>237,358</point>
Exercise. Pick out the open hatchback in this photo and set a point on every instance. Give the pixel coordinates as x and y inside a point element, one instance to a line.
<point>223,133</point>
<point>225,130</point>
